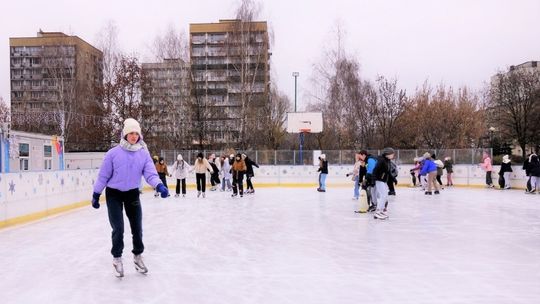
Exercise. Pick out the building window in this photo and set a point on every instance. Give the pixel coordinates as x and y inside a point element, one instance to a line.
<point>24,155</point>
<point>47,155</point>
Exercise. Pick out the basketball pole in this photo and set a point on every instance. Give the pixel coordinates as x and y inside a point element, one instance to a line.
<point>301,147</point>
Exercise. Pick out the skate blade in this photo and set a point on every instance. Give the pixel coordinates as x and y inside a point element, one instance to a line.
<point>141,270</point>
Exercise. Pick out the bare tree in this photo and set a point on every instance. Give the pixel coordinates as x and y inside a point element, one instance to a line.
<point>248,45</point>
<point>390,105</point>
<point>172,44</point>
<point>514,99</point>
<point>4,112</point>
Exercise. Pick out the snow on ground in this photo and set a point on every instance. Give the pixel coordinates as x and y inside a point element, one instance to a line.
<point>288,246</point>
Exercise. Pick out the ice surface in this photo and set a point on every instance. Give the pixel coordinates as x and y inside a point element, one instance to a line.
<point>288,246</point>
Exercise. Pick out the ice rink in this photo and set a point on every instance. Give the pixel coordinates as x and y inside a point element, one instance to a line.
<point>287,245</point>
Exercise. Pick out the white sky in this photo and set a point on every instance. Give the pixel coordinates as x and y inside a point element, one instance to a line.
<point>458,42</point>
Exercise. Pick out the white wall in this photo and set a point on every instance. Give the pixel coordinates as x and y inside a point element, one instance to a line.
<point>42,191</point>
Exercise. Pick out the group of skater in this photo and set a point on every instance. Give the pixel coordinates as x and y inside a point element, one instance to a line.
<point>226,173</point>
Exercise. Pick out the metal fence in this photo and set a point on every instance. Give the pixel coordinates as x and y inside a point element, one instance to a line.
<point>334,157</point>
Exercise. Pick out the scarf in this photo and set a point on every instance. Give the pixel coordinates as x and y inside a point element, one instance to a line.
<point>133,148</point>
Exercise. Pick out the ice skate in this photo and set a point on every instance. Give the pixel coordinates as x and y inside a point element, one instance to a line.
<point>176,195</point>
<point>428,193</point>
<point>199,194</point>
<point>371,208</point>
<point>118,267</point>
<point>156,194</point>
<point>203,195</point>
<point>139,264</point>
<point>183,195</point>
<point>380,215</point>
<point>234,195</point>
<point>437,192</point>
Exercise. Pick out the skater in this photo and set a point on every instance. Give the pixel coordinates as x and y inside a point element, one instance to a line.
<point>382,173</point>
<point>369,182</point>
<point>249,173</point>
<point>161,169</point>
<point>323,169</point>
<point>120,174</point>
<point>533,167</point>
<point>226,174</point>
<point>429,168</point>
<point>214,176</point>
<point>392,181</point>
<point>200,167</point>
<point>448,165</point>
<point>486,166</point>
<point>440,170</point>
<point>238,170</point>
<point>180,171</point>
<point>506,170</point>
<point>414,171</point>
<point>356,176</point>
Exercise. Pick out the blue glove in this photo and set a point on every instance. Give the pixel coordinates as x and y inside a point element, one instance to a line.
<point>95,200</point>
<point>163,190</point>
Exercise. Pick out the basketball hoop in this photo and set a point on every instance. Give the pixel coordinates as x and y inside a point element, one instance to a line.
<point>305,130</point>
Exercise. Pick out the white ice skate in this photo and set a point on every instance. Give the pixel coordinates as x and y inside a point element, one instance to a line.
<point>199,194</point>
<point>379,215</point>
<point>118,267</point>
<point>203,195</point>
<point>139,264</point>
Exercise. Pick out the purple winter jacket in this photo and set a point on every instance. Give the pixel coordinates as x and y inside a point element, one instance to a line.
<point>122,170</point>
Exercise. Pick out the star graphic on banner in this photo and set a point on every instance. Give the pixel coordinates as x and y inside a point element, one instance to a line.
<point>11,187</point>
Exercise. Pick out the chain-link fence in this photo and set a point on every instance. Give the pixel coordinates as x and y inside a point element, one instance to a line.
<point>334,157</point>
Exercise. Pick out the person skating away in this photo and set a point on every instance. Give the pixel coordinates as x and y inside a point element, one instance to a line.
<point>249,173</point>
<point>200,167</point>
<point>382,174</point>
<point>527,173</point>
<point>356,176</point>
<point>161,168</point>
<point>120,174</point>
<point>506,171</point>
<point>429,169</point>
<point>533,168</point>
<point>486,166</point>
<point>214,176</point>
<point>392,182</point>
<point>180,171</point>
<point>239,168</point>
<point>440,170</point>
<point>449,166</point>
<point>226,174</point>
<point>323,172</point>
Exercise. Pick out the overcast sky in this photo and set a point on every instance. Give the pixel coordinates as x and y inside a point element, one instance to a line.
<point>457,42</point>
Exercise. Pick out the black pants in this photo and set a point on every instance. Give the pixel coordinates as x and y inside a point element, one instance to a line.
<point>439,179</point>
<point>413,176</point>
<point>391,188</point>
<point>201,182</point>
<point>249,183</point>
<point>489,181</point>
<point>116,201</point>
<point>163,179</point>
<point>183,181</point>
<point>214,179</point>
<point>238,183</point>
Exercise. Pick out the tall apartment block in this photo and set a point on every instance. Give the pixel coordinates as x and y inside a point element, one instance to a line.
<point>169,100</point>
<point>50,73</point>
<point>230,72</point>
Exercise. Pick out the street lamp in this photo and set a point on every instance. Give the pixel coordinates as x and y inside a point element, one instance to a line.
<point>491,130</point>
<point>295,75</point>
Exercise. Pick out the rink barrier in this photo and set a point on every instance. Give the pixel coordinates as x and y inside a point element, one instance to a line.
<point>30,196</point>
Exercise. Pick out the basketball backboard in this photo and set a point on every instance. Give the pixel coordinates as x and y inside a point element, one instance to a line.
<point>307,122</point>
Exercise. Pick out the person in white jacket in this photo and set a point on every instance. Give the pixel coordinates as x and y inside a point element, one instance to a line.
<point>226,173</point>
<point>201,166</point>
<point>180,171</point>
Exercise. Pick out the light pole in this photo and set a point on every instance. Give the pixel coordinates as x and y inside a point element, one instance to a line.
<point>295,75</point>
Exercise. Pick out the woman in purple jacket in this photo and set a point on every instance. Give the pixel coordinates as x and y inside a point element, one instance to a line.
<point>120,175</point>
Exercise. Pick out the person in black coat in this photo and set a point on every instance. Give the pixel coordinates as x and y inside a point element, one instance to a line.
<point>533,170</point>
<point>323,169</point>
<point>249,173</point>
